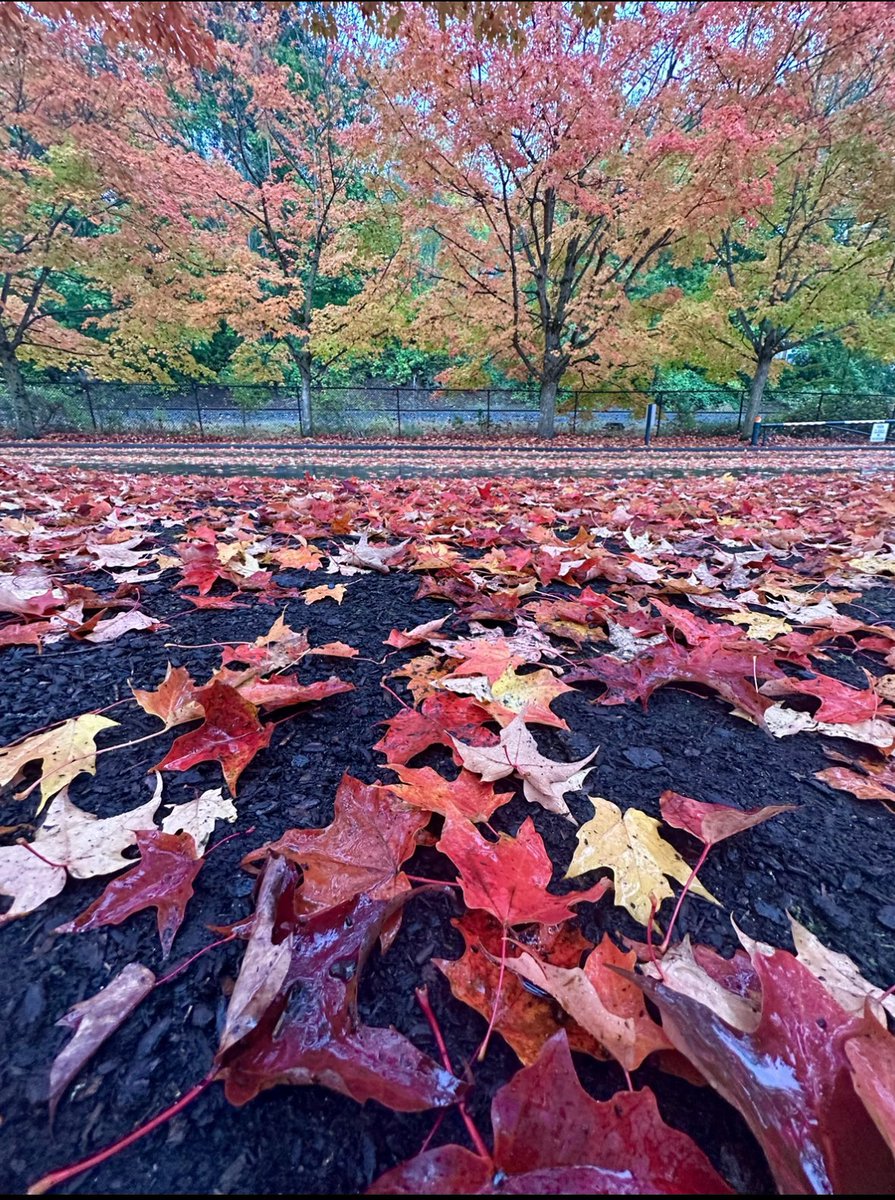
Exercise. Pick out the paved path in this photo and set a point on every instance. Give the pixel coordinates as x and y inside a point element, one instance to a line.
<point>422,460</point>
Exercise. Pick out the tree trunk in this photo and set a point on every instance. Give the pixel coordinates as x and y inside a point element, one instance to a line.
<point>20,406</point>
<point>547,417</point>
<point>756,391</point>
<point>307,424</point>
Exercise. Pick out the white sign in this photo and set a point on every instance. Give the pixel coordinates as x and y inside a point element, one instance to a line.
<point>878,431</point>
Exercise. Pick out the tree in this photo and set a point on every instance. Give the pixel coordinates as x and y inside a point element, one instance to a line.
<point>175,26</point>
<point>98,201</point>
<point>554,174</point>
<point>815,258</point>
<point>302,228</point>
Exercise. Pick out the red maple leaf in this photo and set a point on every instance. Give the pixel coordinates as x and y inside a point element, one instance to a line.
<point>292,1016</point>
<point>231,734</point>
<point>162,879</point>
<point>550,1137</point>
<point>712,823</point>
<point>362,850</point>
<point>789,1077</point>
<point>508,878</point>
<point>439,719</point>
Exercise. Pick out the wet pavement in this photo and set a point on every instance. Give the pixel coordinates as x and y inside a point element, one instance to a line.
<point>421,461</point>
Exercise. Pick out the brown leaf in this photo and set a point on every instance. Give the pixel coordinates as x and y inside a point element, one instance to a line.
<point>94,1020</point>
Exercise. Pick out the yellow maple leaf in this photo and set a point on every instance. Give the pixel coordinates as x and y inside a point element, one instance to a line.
<point>335,592</point>
<point>631,846</point>
<point>64,752</point>
<point>759,626</point>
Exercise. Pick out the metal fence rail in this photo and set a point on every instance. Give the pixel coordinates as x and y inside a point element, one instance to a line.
<point>264,410</point>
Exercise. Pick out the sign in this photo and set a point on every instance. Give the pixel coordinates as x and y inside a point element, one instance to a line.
<point>879,431</point>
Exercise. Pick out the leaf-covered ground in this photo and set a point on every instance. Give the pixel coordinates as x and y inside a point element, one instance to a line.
<point>595,655</point>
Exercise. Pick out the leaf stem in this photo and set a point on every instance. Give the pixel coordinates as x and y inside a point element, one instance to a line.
<point>228,838</point>
<point>422,996</point>
<point>680,900</point>
<point>54,1178</point>
<point>183,966</point>
<point>482,1050</point>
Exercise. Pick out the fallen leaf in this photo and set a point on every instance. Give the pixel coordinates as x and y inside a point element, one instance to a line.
<point>466,796</point>
<point>65,751</point>
<point>680,970</point>
<point>401,639</point>
<point>784,722</point>
<point>439,720</point>
<point>838,973</point>
<point>94,1020</point>
<point>603,1003</point>
<point>862,787</point>
<point>29,879</point>
<point>527,696</point>
<point>303,558</point>
<point>285,691</point>
<point>761,626</point>
<point>712,823</point>
<point>87,845</point>
<point>361,851</point>
<point>545,782</point>
<point>335,591</point>
<point>789,1078</point>
<point>367,557</point>
<point>839,702</point>
<point>508,878</point>
<point>123,622</point>
<point>550,1137</point>
<point>524,1019</point>
<point>162,879</point>
<point>266,960</point>
<point>230,734</point>
<point>630,845</point>
<point>871,1057</point>
<point>198,817</point>
<point>174,700</point>
<point>301,1027</point>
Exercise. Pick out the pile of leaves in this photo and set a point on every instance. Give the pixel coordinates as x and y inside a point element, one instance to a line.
<point>747,595</point>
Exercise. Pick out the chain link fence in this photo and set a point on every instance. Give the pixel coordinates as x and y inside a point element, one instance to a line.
<point>273,411</point>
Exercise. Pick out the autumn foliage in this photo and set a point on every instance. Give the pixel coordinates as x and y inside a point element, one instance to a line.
<point>550,594</point>
<point>557,195</point>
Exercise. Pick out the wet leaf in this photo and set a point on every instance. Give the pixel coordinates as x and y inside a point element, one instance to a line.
<point>296,1019</point>
<point>372,833</point>
<point>64,752</point>
<point>162,879</point>
<point>551,1138</point>
<point>94,1020</point>
<point>712,823</point>
<point>545,782</point>
<point>508,878</point>
<point>630,845</point>
<point>230,734</point>
<point>789,1077</point>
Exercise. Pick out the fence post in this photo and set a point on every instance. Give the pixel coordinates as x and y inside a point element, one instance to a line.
<point>488,410</point>
<point>198,409</point>
<point>820,407</point>
<point>89,399</point>
<point>575,414</point>
<point>740,414</point>
<point>398,408</point>
<point>650,421</point>
<point>756,431</point>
